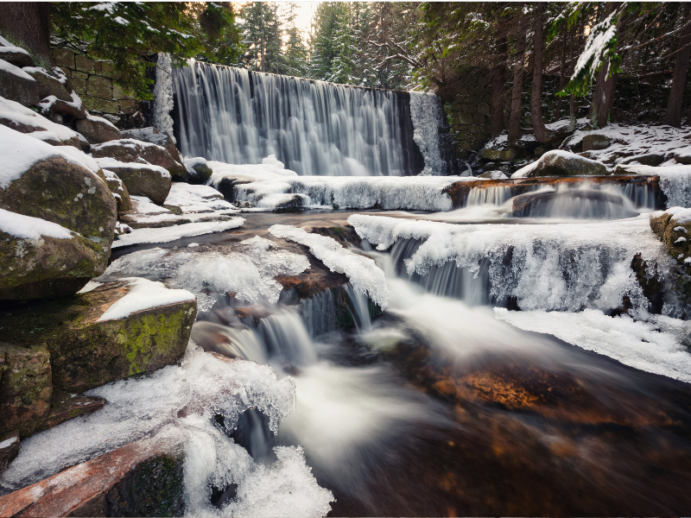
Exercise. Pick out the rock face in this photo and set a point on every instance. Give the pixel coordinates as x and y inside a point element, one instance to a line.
<point>25,388</point>
<point>48,85</point>
<point>595,142</point>
<point>70,195</point>
<point>117,187</point>
<point>673,227</point>
<point>153,136</point>
<point>141,179</point>
<point>9,449</point>
<point>144,478</point>
<point>561,163</point>
<point>130,150</point>
<point>97,130</point>
<point>86,351</point>
<point>17,85</point>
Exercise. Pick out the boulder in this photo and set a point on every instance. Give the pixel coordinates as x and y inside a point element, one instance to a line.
<point>130,150</point>
<point>24,120</point>
<point>116,330</point>
<point>97,129</point>
<point>64,407</point>
<point>47,84</point>
<point>117,187</point>
<point>561,163</point>
<point>197,171</point>
<point>52,106</point>
<point>595,142</point>
<point>683,155</point>
<point>141,179</point>
<point>17,56</point>
<point>153,136</point>
<point>494,175</point>
<point>650,159</point>
<point>9,449</point>
<point>25,388</point>
<point>17,85</point>
<point>673,227</point>
<point>144,478</point>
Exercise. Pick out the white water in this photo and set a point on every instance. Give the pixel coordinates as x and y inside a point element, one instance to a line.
<point>315,128</point>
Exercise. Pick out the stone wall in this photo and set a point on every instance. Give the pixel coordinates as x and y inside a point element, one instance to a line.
<point>93,82</point>
<point>469,113</point>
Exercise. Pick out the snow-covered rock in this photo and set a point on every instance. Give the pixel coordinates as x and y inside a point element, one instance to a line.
<point>17,85</point>
<point>47,83</point>
<point>561,163</point>
<point>131,150</point>
<point>141,179</point>
<point>119,190</point>
<point>24,120</point>
<point>198,170</point>
<point>97,129</point>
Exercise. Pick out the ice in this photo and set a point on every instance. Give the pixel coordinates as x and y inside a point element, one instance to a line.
<point>163,95</point>
<point>648,346</point>
<point>27,227</point>
<point>143,295</point>
<point>196,198</point>
<point>364,275</point>
<point>675,182</point>
<point>148,407</point>
<point>167,234</point>
<point>569,266</point>
<point>8,442</point>
<point>426,114</point>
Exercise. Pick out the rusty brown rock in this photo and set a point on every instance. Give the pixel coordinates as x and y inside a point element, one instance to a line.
<point>130,150</point>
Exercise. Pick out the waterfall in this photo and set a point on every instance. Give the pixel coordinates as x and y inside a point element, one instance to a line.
<point>313,127</point>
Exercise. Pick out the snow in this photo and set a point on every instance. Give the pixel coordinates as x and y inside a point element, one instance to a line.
<point>567,267</point>
<point>596,47</point>
<point>680,216</point>
<point>163,96</point>
<point>269,184</point>
<point>20,152</point>
<point>248,271</point>
<point>143,205</point>
<point>196,198</point>
<point>8,442</point>
<point>364,275</point>
<point>9,67</point>
<point>648,346</point>
<point>27,227</point>
<point>426,114</point>
<point>143,295</point>
<point>94,118</point>
<point>526,171</point>
<point>167,234</point>
<point>148,406</point>
<point>111,163</point>
<point>15,112</point>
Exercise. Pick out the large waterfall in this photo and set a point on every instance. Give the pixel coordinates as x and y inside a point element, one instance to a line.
<point>313,127</point>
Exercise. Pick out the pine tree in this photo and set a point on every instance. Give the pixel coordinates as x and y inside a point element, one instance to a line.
<point>294,59</point>
<point>322,40</point>
<point>343,63</point>
<point>261,36</point>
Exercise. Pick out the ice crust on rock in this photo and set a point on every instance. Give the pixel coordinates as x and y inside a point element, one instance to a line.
<point>163,96</point>
<point>426,114</point>
<point>268,184</point>
<point>565,267</point>
<point>148,407</point>
<point>647,346</point>
<point>248,272</point>
<point>143,295</point>
<point>364,275</point>
<point>167,234</point>
<point>28,227</point>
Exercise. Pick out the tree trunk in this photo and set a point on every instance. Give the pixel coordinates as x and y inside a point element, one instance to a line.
<point>681,67</point>
<point>498,79</point>
<point>536,98</point>
<point>562,67</point>
<point>517,91</point>
<point>603,97</point>
<point>29,24</point>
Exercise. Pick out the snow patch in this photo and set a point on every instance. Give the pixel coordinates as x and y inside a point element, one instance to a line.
<point>167,234</point>
<point>27,227</point>
<point>144,295</point>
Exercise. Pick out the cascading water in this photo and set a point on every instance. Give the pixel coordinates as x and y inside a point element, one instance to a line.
<point>313,127</point>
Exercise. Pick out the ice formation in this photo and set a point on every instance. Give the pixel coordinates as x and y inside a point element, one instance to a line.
<point>552,267</point>
<point>143,295</point>
<point>167,234</point>
<point>148,407</point>
<point>426,114</point>
<point>364,275</point>
<point>163,95</point>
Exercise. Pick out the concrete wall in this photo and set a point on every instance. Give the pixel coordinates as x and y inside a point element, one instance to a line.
<point>93,82</point>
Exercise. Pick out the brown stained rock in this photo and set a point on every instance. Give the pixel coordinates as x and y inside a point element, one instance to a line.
<point>96,130</point>
<point>140,479</point>
<point>131,150</point>
<point>118,188</point>
<point>47,84</point>
<point>85,352</point>
<point>343,235</point>
<point>16,88</point>
<point>66,406</point>
<point>25,388</point>
<point>17,56</point>
<point>153,136</point>
<point>143,180</point>
<point>9,449</point>
<point>61,107</point>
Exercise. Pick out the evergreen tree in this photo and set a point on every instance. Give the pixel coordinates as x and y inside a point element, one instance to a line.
<point>322,40</point>
<point>261,36</point>
<point>295,57</point>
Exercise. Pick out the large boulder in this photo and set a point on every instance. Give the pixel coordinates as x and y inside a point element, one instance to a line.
<point>97,129</point>
<point>119,190</point>
<point>22,119</point>
<point>17,56</point>
<point>25,388</point>
<point>147,180</point>
<point>48,84</point>
<point>197,171</point>
<point>116,330</point>
<point>55,108</point>
<point>561,163</point>
<point>683,155</point>
<point>153,136</point>
<point>17,85</point>
<point>130,150</point>
<point>673,227</point>
<point>595,142</point>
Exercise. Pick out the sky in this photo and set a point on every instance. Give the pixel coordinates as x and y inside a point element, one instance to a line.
<point>305,11</point>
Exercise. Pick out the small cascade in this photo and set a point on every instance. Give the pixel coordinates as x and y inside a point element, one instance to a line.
<point>319,313</point>
<point>286,339</point>
<point>580,203</point>
<point>495,195</point>
<point>360,308</point>
<point>313,127</point>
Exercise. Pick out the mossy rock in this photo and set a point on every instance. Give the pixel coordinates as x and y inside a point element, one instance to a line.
<point>25,388</point>
<point>71,196</point>
<point>48,85</point>
<point>87,353</point>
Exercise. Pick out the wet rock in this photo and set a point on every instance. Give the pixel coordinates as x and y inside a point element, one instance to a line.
<point>47,84</point>
<point>87,352</point>
<point>561,163</point>
<point>198,171</point>
<point>17,85</point>
<point>119,190</point>
<point>130,150</point>
<point>144,478</point>
<point>9,449</point>
<point>141,179</point>
<point>97,129</point>
<point>595,142</point>
<point>66,406</point>
<point>25,388</point>
<point>494,175</point>
<point>650,281</point>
